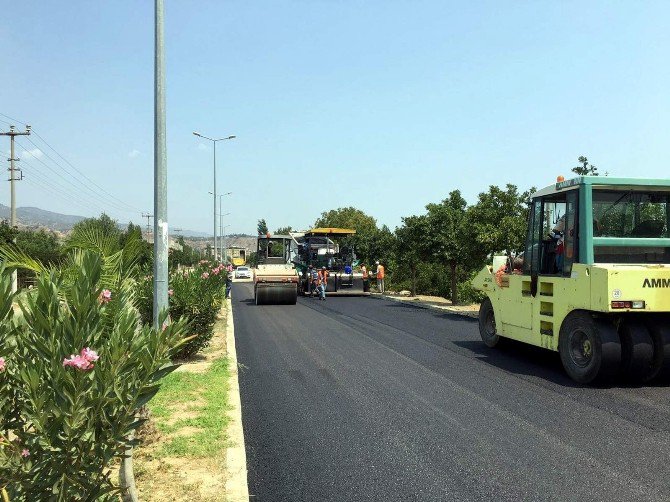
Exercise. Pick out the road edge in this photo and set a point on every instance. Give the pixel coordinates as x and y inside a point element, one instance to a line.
<point>418,303</point>
<point>237,488</point>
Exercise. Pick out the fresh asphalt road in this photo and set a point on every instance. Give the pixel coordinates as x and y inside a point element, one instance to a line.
<point>366,399</point>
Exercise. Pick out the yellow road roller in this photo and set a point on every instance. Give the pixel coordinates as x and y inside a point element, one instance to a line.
<point>275,277</point>
<point>593,282</point>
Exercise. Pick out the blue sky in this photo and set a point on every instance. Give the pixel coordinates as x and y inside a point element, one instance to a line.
<point>386,106</point>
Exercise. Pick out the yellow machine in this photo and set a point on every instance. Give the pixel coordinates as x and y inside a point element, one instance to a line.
<point>237,255</point>
<point>594,283</point>
<point>275,277</point>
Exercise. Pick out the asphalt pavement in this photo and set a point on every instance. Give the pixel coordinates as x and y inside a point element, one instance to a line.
<point>367,399</point>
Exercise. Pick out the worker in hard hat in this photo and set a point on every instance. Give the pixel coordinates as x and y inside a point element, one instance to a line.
<point>380,276</point>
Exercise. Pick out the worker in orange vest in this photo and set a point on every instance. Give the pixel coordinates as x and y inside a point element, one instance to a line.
<point>366,279</point>
<point>380,277</point>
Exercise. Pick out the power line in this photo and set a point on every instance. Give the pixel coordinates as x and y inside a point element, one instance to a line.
<point>78,171</point>
<point>117,206</point>
<point>104,191</point>
<point>84,185</point>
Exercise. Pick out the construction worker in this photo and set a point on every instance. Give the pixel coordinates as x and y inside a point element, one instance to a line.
<point>314,281</point>
<point>366,279</point>
<point>323,282</point>
<point>380,276</point>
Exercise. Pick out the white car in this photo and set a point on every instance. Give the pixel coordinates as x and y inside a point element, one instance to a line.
<point>242,273</point>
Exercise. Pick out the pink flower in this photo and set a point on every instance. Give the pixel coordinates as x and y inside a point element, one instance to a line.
<point>215,271</point>
<point>2,364</point>
<point>204,275</point>
<point>79,362</point>
<point>105,296</point>
<point>170,292</point>
<point>90,355</point>
<point>25,453</point>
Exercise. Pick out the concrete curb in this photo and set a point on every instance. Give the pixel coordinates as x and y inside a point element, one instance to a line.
<point>429,306</point>
<point>237,489</point>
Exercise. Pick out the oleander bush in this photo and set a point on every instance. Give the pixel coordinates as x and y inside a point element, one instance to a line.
<point>196,295</point>
<point>76,363</point>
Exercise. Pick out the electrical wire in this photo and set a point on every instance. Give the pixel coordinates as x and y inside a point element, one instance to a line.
<point>116,206</point>
<point>115,201</point>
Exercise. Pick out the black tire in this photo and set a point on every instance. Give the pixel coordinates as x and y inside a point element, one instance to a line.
<point>637,351</point>
<point>590,349</point>
<point>659,329</point>
<point>487,324</point>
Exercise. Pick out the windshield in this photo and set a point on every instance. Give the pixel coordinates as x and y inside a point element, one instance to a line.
<point>632,214</point>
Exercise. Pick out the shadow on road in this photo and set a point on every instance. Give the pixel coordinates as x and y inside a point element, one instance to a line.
<point>520,359</point>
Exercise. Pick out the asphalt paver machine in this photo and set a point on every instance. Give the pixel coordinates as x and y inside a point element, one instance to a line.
<point>330,248</point>
<point>275,276</point>
<point>594,283</point>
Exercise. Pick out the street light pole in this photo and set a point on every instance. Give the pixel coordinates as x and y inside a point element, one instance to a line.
<point>222,242</point>
<point>214,141</point>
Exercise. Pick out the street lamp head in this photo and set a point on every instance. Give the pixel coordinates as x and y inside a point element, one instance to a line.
<point>196,133</point>
<point>231,137</point>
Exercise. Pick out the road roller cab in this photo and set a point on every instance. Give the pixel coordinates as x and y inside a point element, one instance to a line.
<point>275,277</point>
<point>593,282</point>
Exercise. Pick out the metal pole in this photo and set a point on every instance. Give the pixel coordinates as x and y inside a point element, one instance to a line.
<point>215,258</point>
<point>221,248</point>
<point>160,175</point>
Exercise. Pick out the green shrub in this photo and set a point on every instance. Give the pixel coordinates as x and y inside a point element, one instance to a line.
<point>196,295</point>
<point>77,364</point>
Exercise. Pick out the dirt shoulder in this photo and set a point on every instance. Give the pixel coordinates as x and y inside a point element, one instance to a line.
<point>182,455</point>
<point>437,303</point>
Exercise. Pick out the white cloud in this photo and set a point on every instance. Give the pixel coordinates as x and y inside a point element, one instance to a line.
<point>35,152</point>
<point>133,153</point>
<point>202,147</point>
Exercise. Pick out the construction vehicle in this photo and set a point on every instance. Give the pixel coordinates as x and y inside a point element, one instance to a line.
<point>329,248</point>
<point>275,277</point>
<point>237,255</point>
<point>594,283</point>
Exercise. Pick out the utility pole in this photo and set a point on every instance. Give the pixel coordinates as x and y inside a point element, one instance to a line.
<point>12,178</point>
<point>148,217</point>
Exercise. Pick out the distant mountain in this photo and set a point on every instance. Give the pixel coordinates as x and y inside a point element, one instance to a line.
<point>36,217</point>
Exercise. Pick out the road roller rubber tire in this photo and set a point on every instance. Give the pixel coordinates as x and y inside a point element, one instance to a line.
<point>487,324</point>
<point>590,349</point>
<point>637,351</point>
<point>659,329</point>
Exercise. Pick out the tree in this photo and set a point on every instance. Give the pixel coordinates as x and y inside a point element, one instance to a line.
<point>499,219</point>
<point>284,230</point>
<point>585,169</point>
<point>411,244</point>
<point>262,227</point>
<point>40,245</point>
<point>448,235</point>
<point>367,241</point>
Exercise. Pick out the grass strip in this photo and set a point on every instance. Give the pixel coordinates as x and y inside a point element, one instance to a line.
<point>191,411</point>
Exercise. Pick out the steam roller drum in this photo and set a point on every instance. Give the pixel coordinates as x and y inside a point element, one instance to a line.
<point>277,295</point>
<point>637,351</point>
<point>659,329</point>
